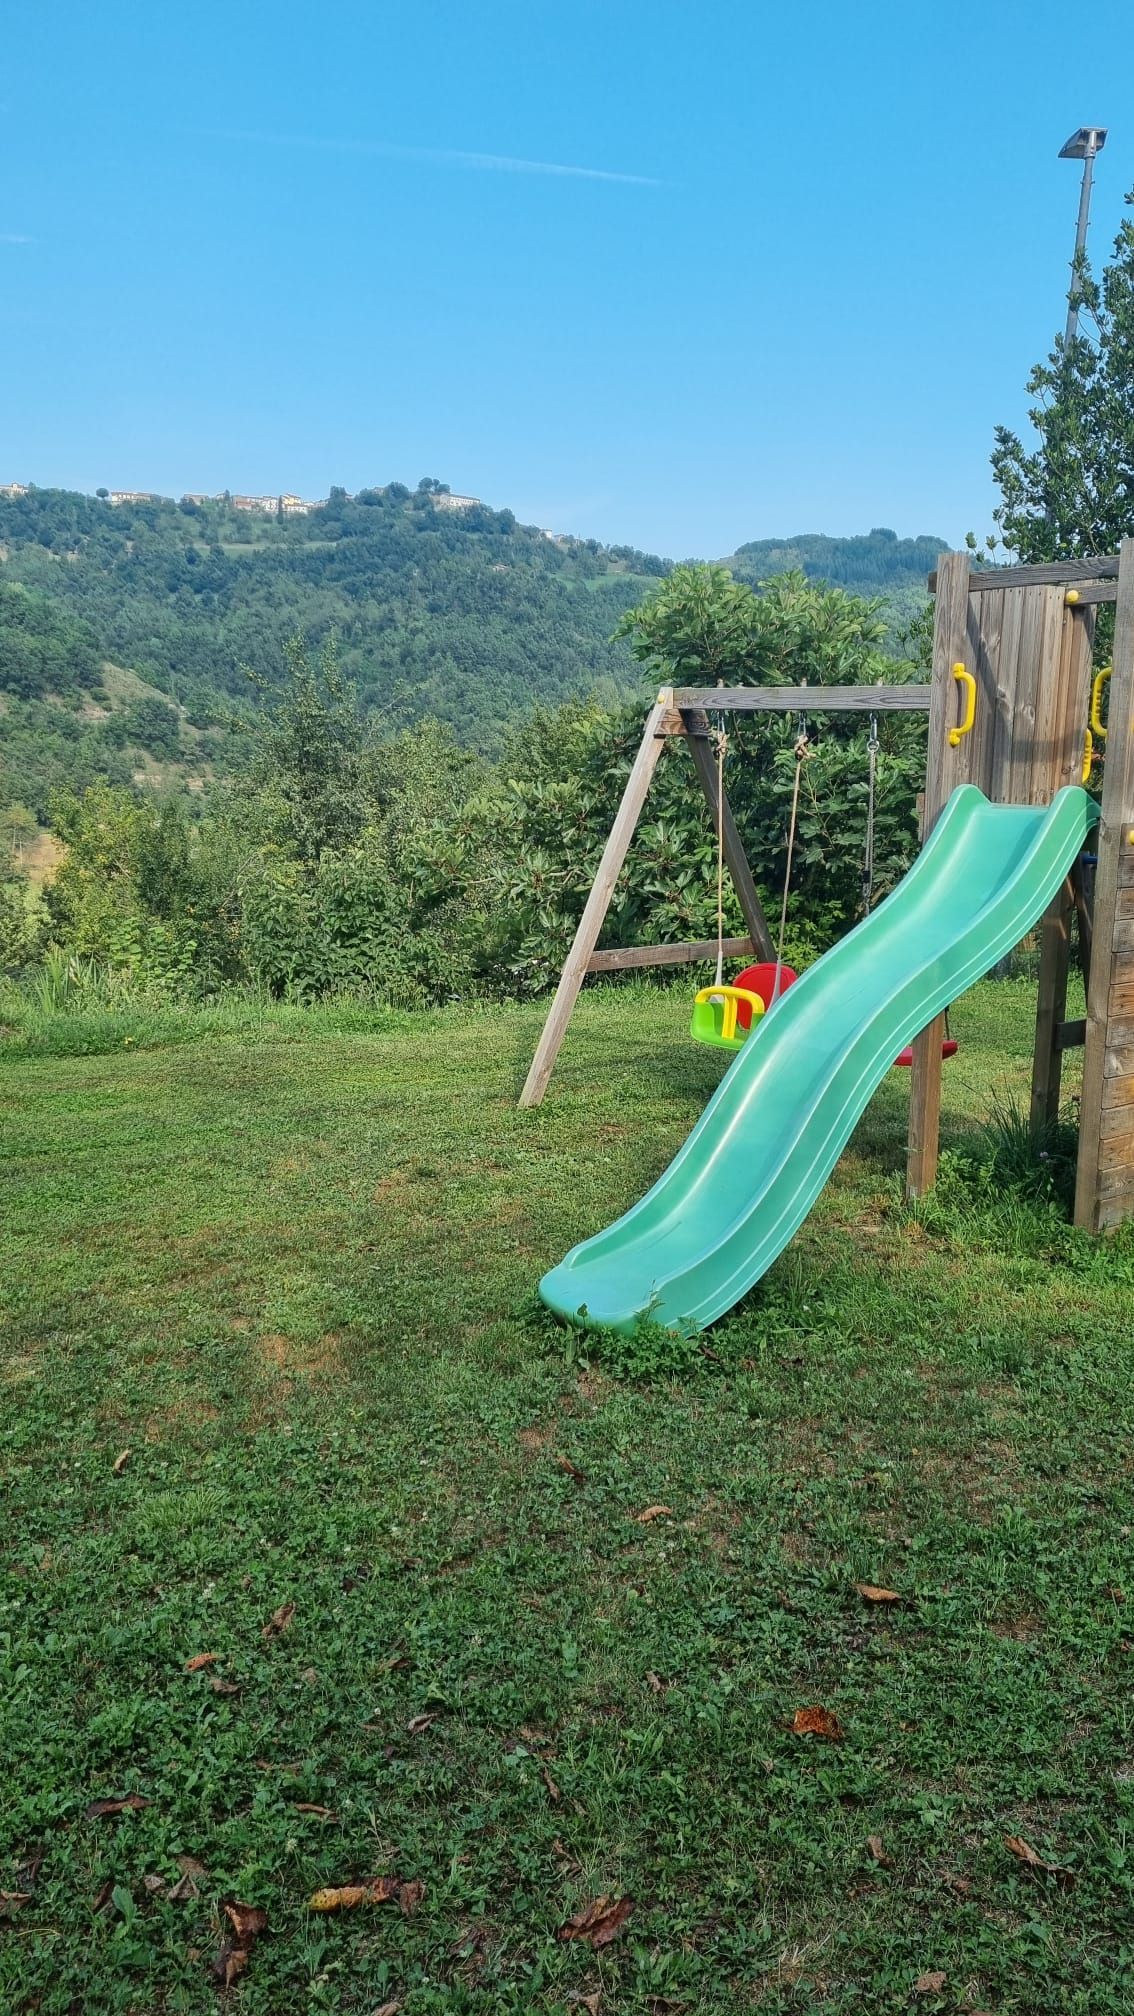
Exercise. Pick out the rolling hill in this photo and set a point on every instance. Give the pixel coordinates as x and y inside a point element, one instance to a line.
<point>127,630</point>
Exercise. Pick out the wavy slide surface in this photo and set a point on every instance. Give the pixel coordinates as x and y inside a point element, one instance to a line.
<point>762,1150</point>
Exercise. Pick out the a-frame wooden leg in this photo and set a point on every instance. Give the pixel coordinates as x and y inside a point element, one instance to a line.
<point>704,763</point>
<point>598,902</point>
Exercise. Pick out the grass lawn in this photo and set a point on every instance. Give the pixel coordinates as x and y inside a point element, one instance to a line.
<point>288,1263</point>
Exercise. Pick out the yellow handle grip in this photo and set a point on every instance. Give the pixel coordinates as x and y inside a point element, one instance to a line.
<point>729,997</point>
<point>1088,757</point>
<point>1097,723</point>
<point>964,678</point>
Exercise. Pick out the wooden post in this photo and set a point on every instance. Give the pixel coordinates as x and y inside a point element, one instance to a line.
<point>749,898</point>
<point>950,647</point>
<point>1104,1191</point>
<point>654,736</point>
<point>1047,1060</point>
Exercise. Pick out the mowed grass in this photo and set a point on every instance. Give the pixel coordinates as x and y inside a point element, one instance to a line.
<point>288,1262</point>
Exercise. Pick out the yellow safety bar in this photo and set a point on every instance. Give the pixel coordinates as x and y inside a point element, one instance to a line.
<point>1088,757</point>
<point>729,998</point>
<point>964,678</point>
<point>1097,724</point>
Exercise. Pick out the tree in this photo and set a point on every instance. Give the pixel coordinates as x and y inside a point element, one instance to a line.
<point>312,767</point>
<point>19,826</point>
<point>700,625</point>
<point>1072,494</point>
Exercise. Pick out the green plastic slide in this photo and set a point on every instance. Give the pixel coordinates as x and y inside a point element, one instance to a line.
<point>770,1136</point>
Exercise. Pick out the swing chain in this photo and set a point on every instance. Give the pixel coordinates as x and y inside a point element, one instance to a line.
<point>802,751</point>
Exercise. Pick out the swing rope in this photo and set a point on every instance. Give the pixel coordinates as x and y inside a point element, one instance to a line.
<point>872,748</point>
<point>802,750</point>
<point>722,745</point>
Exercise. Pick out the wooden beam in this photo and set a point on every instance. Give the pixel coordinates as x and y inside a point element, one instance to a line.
<point>1071,1035</point>
<point>748,896</point>
<point>620,957</point>
<point>950,646</point>
<point>1110,995</point>
<point>911,699</point>
<point>1093,591</point>
<point>598,902</point>
<point>1048,574</point>
<point>1055,964</point>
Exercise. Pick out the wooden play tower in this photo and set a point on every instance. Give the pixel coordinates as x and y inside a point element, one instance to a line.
<point>1026,636</point>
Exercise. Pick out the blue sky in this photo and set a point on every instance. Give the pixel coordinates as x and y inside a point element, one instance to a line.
<point>667,273</point>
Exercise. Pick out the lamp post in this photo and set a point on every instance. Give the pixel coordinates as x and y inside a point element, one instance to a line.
<point>1083,145</point>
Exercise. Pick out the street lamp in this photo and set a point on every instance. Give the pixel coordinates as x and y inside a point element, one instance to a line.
<point>1082,146</point>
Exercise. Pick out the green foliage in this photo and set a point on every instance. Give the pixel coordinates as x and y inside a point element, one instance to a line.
<point>123,896</point>
<point>1072,493</point>
<point>700,626</point>
<point>43,649</point>
<point>21,926</point>
<point>311,771</point>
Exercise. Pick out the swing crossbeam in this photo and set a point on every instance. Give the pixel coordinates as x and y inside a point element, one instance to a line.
<point>912,699</point>
<point>622,956</point>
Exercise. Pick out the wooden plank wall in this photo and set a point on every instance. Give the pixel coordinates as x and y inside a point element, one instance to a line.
<point>1030,653</point>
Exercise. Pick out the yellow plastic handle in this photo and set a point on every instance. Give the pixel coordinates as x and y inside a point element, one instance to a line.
<point>729,997</point>
<point>1097,723</point>
<point>964,678</point>
<point>1088,757</point>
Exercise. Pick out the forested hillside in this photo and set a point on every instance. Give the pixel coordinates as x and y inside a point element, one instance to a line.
<point>870,563</point>
<point>465,615</point>
<point>127,631</point>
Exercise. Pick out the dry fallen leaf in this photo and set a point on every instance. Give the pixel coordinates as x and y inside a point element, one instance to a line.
<point>929,1984</point>
<point>655,1682</point>
<point>410,1896</point>
<point>874,1843</point>
<point>153,1884</point>
<point>279,1621</point>
<point>247,1921</point>
<point>100,1808</point>
<point>1025,1853</point>
<point>817,1722</point>
<point>387,2009</point>
<point>417,1723</point>
<point>598,1922</point>
<point>320,1812</point>
<point>229,1964</point>
<point>651,1513</point>
<point>592,2003</point>
<point>120,1461</point>
<point>870,1593</point>
<point>572,1469</point>
<point>346,1896</point>
<point>200,1659</point>
<point>220,1686</point>
<point>12,1901</point>
<point>553,1791</point>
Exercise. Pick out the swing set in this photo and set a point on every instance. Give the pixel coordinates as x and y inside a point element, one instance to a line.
<point>1014,707</point>
<point>724,1015</point>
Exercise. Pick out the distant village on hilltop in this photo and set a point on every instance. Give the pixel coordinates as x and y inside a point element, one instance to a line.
<point>286,505</point>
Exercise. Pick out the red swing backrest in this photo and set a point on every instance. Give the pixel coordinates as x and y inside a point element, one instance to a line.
<point>761,980</point>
